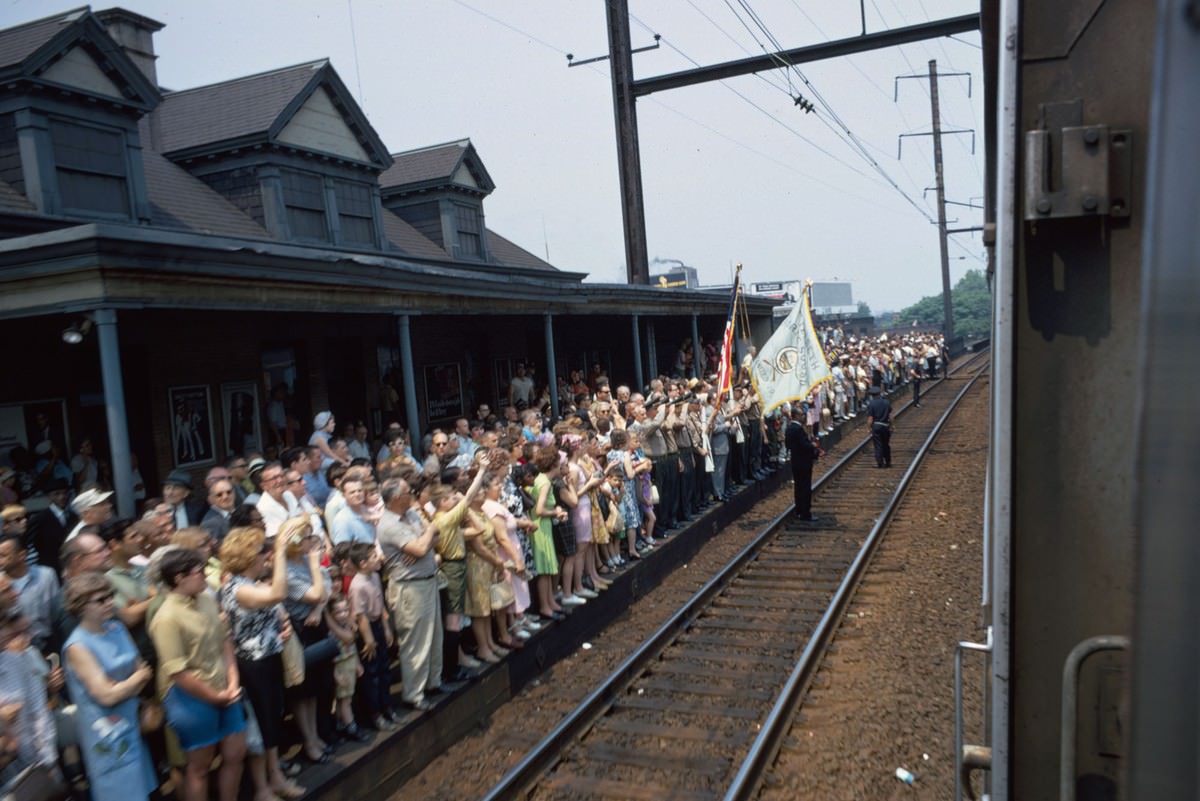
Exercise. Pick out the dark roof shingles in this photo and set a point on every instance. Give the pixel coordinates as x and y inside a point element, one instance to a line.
<point>229,110</point>
<point>426,164</point>
<point>17,44</point>
<point>408,240</point>
<point>179,200</point>
<point>506,252</point>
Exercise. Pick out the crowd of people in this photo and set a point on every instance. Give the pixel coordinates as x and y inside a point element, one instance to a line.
<point>269,605</point>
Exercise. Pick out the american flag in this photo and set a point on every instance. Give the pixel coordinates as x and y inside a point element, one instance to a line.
<point>725,371</point>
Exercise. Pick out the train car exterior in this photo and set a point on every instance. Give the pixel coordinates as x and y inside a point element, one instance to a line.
<point>1092,563</point>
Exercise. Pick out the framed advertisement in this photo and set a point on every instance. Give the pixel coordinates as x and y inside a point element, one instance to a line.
<point>503,375</point>
<point>190,412</point>
<point>243,420</point>
<point>443,391</point>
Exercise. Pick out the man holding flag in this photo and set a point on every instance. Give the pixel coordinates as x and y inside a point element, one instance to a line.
<point>788,368</point>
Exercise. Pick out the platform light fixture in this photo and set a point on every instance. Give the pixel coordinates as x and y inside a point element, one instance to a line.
<point>75,333</point>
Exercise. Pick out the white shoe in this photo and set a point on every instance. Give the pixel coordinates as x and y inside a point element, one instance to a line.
<point>589,594</point>
<point>522,634</point>
<point>529,625</point>
<point>572,600</point>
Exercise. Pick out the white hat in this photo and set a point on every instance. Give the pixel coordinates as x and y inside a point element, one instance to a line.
<point>88,499</point>
<point>43,447</point>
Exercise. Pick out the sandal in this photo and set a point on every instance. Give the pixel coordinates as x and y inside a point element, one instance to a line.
<point>290,790</point>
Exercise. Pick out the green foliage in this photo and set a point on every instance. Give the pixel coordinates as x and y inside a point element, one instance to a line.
<point>864,309</point>
<point>972,303</point>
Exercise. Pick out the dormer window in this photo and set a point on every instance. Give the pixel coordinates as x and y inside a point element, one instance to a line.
<point>356,213</point>
<point>91,167</point>
<point>304,199</point>
<point>470,231</point>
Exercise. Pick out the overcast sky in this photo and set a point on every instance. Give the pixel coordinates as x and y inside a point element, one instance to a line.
<point>732,171</point>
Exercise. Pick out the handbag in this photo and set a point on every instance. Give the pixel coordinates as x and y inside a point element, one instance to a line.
<point>615,521</point>
<point>501,594</point>
<point>293,662</point>
<point>654,496</point>
<point>38,783</point>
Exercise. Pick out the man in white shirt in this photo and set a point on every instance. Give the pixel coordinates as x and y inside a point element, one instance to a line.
<point>276,504</point>
<point>520,389</point>
<point>360,448</point>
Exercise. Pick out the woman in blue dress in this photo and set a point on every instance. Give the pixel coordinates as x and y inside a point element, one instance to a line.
<point>105,673</point>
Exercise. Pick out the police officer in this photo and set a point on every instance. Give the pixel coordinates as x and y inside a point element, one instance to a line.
<point>879,418</point>
<point>803,453</point>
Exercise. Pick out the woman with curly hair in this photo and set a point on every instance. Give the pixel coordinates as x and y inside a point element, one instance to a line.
<point>256,620</point>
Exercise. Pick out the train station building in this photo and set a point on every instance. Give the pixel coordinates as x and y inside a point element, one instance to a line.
<point>173,263</point>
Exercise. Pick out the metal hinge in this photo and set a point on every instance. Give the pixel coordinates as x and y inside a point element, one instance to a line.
<point>1074,170</point>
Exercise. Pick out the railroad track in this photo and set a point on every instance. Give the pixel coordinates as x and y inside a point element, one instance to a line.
<point>697,711</point>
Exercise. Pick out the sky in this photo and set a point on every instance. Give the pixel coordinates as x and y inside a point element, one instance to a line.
<point>732,171</point>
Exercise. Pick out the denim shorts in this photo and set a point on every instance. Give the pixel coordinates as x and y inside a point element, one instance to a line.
<point>199,724</point>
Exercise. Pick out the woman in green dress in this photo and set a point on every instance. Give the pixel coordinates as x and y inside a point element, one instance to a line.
<point>546,512</point>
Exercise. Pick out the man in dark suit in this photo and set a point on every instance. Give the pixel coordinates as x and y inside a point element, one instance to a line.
<point>48,527</point>
<point>803,453</point>
<point>176,491</point>
<point>221,503</point>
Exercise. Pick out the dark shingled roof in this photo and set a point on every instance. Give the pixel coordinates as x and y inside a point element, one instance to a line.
<point>177,200</point>
<point>424,164</point>
<point>19,43</point>
<point>506,252</point>
<point>408,240</point>
<point>231,109</point>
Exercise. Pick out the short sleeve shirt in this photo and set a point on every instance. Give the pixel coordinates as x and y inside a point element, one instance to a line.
<point>366,596</point>
<point>394,533</point>
<point>451,545</point>
<point>299,581</point>
<point>256,632</point>
<point>188,635</point>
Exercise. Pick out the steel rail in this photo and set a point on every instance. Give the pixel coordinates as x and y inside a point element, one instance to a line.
<point>779,721</point>
<point>538,760</point>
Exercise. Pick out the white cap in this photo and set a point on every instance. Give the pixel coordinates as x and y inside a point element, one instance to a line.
<point>88,499</point>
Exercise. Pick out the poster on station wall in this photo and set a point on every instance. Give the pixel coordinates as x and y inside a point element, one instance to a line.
<point>240,410</point>
<point>443,391</point>
<point>191,425</point>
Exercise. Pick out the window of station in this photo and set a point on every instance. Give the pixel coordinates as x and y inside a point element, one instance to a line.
<point>304,199</point>
<point>356,219</point>
<point>91,167</point>
<point>470,231</point>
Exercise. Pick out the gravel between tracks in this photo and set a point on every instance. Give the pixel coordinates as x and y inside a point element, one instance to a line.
<point>477,762</point>
<point>885,698</point>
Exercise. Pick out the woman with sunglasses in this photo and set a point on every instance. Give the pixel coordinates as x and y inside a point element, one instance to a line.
<point>105,673</point>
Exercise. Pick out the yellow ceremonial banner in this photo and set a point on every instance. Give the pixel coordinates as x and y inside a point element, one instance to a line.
<point>792,362</point>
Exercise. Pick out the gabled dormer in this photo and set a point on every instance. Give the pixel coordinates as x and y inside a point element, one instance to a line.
<point>439,190</point>
<point>68,118</point>
<point>290,147</point>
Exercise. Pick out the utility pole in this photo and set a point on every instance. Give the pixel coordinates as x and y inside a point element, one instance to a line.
<point>620,51</point>
<point>947,305</point>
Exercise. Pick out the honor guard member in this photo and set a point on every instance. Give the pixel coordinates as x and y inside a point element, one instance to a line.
<point>803,453</point>
<point>879,418</point>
